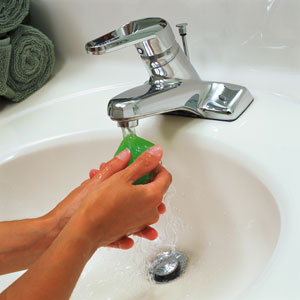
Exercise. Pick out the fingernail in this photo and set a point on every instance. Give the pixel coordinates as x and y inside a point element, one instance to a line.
<point>155,150</point>
<point>124,154</point>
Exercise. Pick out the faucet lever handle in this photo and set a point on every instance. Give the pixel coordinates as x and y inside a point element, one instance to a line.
<point>136,33</point>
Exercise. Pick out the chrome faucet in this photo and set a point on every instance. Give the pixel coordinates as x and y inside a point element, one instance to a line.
<point>174,85</point>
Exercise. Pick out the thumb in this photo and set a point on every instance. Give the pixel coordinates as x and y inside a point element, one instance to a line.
<point>144,164</point>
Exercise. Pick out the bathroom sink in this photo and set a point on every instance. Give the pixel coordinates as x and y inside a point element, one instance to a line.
<point>233,208</point>
<point>219,213</point>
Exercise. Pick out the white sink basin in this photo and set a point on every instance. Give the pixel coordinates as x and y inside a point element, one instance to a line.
<point>234,205</point>
<point>218,213</point>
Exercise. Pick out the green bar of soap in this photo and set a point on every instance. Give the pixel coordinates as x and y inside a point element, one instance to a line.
<point>137,146</point>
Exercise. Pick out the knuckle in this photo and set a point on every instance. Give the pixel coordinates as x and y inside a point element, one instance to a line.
<point>122,176</point>
<point>112,165</point>
<point>107,168</point>
<point>154,195</point>
<point>149,194</point>
<point>168,176</point>
<point>144,160</point>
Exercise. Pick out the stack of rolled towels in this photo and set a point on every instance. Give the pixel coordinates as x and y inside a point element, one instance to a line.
<point>26,54</point>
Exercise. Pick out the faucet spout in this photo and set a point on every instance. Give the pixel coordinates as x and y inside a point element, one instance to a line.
<point>148,100</point>
<point>203,99</point>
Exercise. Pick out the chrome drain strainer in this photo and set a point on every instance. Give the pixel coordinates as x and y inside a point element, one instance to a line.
<point>167,266</point>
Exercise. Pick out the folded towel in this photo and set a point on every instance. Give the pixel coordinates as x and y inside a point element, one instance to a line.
<point>5,51</point>
<point>31,63</point>
<point>12,13</point>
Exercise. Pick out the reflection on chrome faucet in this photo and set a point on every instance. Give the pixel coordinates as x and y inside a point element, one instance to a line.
<point>174,85</point>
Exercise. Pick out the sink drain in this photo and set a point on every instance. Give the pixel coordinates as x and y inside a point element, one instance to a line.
<point>167,266</point>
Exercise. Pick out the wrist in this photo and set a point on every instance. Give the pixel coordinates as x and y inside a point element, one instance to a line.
<point>77,232</point>
<point>50,226</point>
<point>83,227</point>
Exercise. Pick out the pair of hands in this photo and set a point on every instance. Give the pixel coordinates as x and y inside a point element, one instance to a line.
<point>108,207</point>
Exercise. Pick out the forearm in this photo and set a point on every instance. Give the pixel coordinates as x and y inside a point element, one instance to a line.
<point>106,215</point>
<point>22,242</point>
<point>55,273</point>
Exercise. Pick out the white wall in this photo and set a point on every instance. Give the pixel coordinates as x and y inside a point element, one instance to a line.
<point>231,33</point>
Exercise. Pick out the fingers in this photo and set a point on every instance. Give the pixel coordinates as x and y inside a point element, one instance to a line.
<point>161,208</point>
<point>93,172</point>
<point>148,233</point>
<point>115,165</point>
<point>161,182</point>
<point>124,243</point>
<point>144,164</point>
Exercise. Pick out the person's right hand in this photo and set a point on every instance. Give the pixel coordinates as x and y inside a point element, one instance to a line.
<point>116,208</point>
<point>111,168</point>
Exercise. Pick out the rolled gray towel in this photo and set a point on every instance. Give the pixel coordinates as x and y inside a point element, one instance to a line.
<point>31,62</point>
<point>12,13</point>
<point>5,52</point>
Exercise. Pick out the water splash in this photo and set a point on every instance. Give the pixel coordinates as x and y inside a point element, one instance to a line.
<point>131,267</point>
<point>168,227</point>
